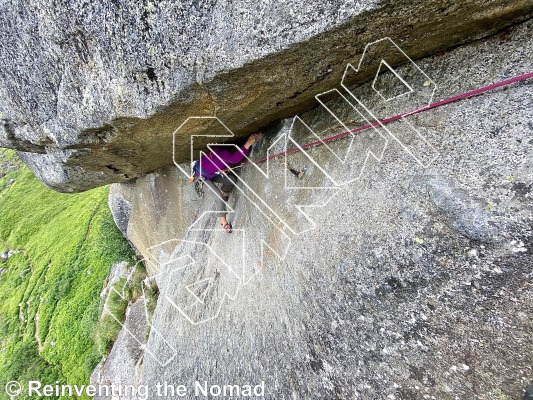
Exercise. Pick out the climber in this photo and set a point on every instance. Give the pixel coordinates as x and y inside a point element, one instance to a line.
<point>211,169</point>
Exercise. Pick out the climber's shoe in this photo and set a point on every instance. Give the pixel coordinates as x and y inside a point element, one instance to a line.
<point>228,228</point>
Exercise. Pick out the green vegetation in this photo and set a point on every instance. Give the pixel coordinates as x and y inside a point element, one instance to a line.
<point>8,161</point>
<point>123,292</point>
<point>61,248</point>
<point>499,394</point>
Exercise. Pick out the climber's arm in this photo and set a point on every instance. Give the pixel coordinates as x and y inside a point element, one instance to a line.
<point>234,157</point>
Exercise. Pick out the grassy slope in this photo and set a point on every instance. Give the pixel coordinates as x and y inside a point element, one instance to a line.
<point>49,289</point>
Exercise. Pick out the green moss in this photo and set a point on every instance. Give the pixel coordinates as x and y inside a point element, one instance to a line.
<point>50,288</point>
<point>8,161</point>
<point>123,292</point>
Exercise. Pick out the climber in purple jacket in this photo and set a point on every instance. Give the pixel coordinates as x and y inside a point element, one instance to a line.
<point>210,169</point>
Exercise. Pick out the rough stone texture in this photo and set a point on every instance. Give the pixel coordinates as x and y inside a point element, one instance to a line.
<point>155,208</point>
<point>122,365</point>
<point>390,296</point>
<point>92,91</point>
<point>119,270</point>
<point>464,213</point>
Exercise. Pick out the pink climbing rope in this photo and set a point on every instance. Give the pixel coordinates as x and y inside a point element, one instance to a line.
<point>440,103</point>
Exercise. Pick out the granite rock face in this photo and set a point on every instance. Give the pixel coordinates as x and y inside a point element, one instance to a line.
<point>91,92</point>
<point>122,366</point>
<point>468,216</point>
<point>393,288</point>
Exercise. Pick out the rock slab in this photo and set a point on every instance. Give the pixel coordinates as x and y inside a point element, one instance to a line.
<point>92,92</point>
<point>394,292</point>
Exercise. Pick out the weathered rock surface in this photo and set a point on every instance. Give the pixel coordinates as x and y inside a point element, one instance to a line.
<point>153,209</point>
<point>465,214</point>
<point>91,92</point>
<point>390,295</point>
<point>122,366</point>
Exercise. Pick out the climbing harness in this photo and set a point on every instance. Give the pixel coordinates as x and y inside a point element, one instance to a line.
<point>199,187</point>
